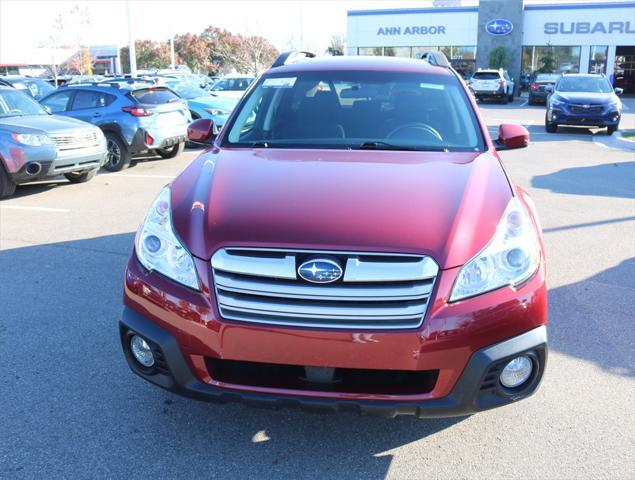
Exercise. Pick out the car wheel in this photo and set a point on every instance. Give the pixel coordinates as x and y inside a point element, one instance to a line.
<point>510,98</point>
<point>530,101</point>
<point>611,129</point>
<point>81,177</point>
<point>7,186</point>
<point>550,127</point>
<point>118,156</point>
<point>171,152</point>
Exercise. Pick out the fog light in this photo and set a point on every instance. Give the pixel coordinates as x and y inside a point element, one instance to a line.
<point>516,372</point>
<point>141,351</point>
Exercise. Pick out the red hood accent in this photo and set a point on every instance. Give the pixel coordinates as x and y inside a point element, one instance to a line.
<point>446,205</point>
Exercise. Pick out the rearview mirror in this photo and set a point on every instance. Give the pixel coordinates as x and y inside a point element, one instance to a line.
<point>201,131</point>
<point>619,91</point>
<point>511,136</point>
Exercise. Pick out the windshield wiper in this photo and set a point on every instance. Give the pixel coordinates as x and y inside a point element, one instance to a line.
<point>379,145</point>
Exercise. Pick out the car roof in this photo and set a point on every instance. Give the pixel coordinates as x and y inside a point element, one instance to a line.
<point>362,63</point>
<point>597,75</point>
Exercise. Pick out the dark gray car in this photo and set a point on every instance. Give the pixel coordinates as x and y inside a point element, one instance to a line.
<point>36,145</point>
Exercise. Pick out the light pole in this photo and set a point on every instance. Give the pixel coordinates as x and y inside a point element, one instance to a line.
<point>131,46</point>
<point>172,64</point>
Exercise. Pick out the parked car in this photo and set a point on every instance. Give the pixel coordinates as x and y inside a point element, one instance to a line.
<point>492,85</point>
<point>541,85</point>
<point>231,86</point>
<point>135,117</point>
<point>202,104</point>
<point>369,255</point>
<point>36,87</point>
<point>586,100</point>
<point>35,145</point>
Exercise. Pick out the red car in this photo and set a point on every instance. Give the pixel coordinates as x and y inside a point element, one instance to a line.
<point>348,242</point>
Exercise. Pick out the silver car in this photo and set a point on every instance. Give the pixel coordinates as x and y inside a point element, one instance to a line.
<point>35,144</point>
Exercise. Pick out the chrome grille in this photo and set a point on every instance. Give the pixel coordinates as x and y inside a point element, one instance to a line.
<point>586,108</point>
<point>74,140</point>
<point>377,291</point>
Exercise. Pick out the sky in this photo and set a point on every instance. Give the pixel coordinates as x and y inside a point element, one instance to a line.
<point>25,25</point>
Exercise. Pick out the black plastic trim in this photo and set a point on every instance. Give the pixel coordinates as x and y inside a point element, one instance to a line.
<point>465,399</point>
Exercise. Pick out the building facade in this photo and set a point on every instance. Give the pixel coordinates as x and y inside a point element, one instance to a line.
<point>582,37</point>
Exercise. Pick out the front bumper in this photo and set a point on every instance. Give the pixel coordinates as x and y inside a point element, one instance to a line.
<point>477,389</point>
<point>564,117</point>
<point>79,160</point>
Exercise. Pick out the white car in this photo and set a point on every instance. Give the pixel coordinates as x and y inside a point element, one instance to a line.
<point>231,86</point>
<point>492,84</point>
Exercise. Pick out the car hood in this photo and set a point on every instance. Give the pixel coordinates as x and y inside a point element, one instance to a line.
<point>585,97</point>
<point>45,123</point>
<point>214,102</point>
<point>446,205</point>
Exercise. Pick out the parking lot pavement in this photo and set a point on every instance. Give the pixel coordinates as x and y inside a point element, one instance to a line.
<point>71,408</point>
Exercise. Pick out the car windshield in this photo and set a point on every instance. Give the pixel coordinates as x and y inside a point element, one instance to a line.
<point>584,84</point>
<point>187,90</point>
<point>232,84</point>
<point>373,110</point>
<point>547,77</point>
<point>37,88</point>
<point>16,103</point>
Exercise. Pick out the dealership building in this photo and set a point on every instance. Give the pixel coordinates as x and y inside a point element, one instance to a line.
<point>586,37</point>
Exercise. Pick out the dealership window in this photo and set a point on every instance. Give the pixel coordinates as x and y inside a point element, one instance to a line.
<point>397,51</point>
<point>597,58</point>
<point>377,51</point>
<point>550,59</point>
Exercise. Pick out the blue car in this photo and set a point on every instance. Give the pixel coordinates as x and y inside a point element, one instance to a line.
<point>584,100</point>
<point>135,117</point>
<point>202,104</point>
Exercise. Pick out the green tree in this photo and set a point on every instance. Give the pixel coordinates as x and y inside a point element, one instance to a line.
<point>150,54</point>
<point>336,47</point>
<point>498,57</point>
<point>547,62</point>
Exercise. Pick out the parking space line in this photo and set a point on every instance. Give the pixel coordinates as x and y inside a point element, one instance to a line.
<point>37,209</point>
<point>134,175</point>
<point>524,103</point>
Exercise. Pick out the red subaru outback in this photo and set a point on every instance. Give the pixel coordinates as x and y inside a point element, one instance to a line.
<point>349,242</point>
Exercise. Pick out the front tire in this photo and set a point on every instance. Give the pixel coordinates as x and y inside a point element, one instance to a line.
<point>550,127</point>
<point>7,186</point>
<point>171,152</point>
<point>81,177</point>
<point>118,156</point>
<point>611,129</point>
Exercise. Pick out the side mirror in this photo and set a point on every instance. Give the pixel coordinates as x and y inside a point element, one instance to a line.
<point>619,91</point>
<point>201,131</point>
<point>511,136</point>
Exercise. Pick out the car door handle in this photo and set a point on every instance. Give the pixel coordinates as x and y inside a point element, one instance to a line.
<point>96,114</point>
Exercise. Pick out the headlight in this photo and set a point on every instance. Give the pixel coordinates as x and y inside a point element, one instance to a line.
<point>32,139</point>
<point>557,103</point>
<point>158,248</point>
<point>510,258</point>
<point>217,111</point>
<point>615,104</point>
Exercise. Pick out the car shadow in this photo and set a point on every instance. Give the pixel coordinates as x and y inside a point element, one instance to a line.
<point>618,180</point>
<point>592,319</point>
<point>28,189</point>
<point>62,364</point>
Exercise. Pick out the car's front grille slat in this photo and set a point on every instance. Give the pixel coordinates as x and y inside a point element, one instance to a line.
<point>72,141</point>
<point>261,286</point>
<point>586,109</point>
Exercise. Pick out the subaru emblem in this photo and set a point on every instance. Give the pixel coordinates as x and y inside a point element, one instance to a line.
<point>499,27</point>
<point>320,270</point>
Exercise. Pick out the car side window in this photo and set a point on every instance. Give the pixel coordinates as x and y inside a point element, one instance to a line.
<point>90,99</point>
<point>58,102</point>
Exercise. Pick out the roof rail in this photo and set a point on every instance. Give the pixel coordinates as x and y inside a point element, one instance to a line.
<point>436,58</point>
<point>284,56</point>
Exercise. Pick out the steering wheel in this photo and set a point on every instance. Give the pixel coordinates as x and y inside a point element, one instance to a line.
<point>422,127</point>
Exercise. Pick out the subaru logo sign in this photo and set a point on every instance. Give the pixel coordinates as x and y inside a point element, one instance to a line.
<point>320,270</point>
<point>499,27</point>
